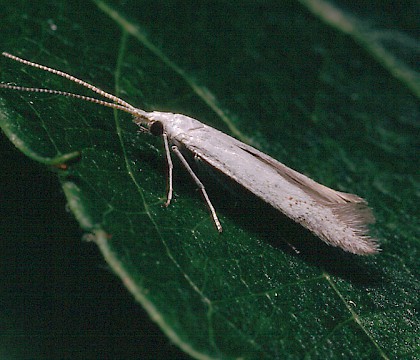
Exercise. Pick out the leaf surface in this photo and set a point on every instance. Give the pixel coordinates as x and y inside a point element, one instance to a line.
<point>278,77</point>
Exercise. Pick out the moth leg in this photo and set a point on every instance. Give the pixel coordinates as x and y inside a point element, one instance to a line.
<point>170,168</point>
<point>200,186</point>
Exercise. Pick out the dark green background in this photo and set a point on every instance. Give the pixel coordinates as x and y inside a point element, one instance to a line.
<point>321,101</point>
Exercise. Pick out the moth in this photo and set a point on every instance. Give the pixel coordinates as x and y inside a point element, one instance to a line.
<point>339,219</point>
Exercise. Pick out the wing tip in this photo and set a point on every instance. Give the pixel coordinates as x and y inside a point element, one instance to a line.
<point>357,217</point>
<point>364,245</point>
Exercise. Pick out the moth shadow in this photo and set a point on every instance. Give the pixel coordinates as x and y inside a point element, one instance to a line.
<point>271,226</point>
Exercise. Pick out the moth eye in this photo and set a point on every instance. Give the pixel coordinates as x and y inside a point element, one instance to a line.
<point>156,128</point>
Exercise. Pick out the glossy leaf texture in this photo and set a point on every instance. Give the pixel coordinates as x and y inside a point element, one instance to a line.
<point>330,90</point>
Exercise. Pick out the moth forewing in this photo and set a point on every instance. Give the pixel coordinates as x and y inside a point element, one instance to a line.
<point>339,219</point>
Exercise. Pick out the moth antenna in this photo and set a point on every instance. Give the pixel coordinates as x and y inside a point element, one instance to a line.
<point>71,78</point>
<point>131,110</point>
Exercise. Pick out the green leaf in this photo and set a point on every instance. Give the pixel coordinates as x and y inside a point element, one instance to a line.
<point>337,103</point>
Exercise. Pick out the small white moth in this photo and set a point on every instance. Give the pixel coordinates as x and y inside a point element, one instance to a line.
<point>338,218</point>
